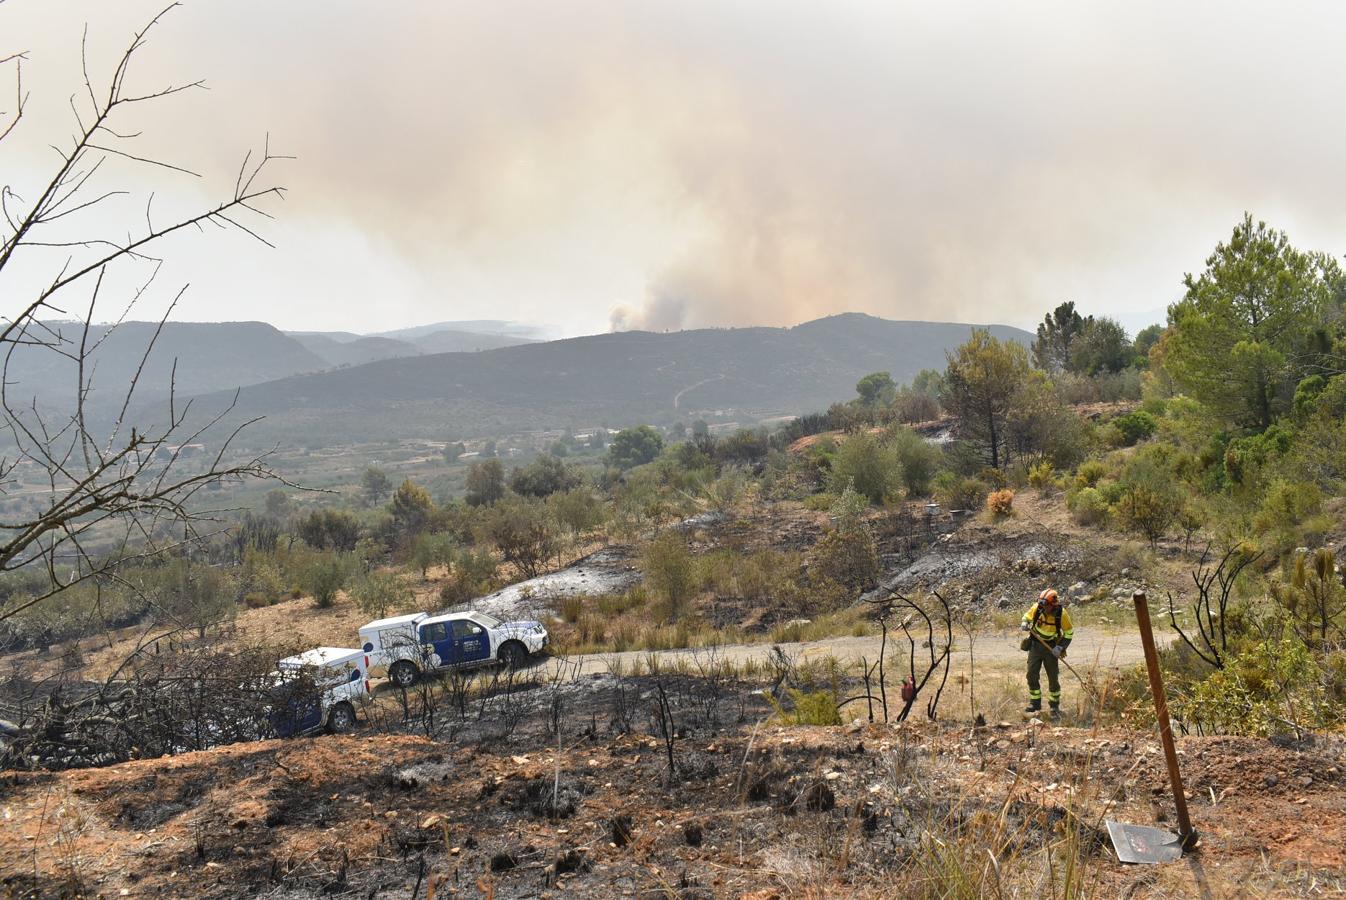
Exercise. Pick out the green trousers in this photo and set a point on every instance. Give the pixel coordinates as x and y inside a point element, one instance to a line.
<point>1039,657</point>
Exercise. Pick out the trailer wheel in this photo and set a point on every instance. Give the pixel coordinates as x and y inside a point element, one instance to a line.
<point>341,719</point>
<point>402,674</point>
<point>513,654</point>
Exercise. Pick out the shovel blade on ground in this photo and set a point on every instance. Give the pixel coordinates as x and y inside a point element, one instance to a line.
<point>1142,844</point>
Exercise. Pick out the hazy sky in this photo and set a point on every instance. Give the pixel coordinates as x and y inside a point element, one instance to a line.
<point>684,164</point>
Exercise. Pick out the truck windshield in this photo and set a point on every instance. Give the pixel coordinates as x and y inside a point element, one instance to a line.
<point>487,620</point>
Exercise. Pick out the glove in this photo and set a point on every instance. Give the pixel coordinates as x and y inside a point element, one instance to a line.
<point>1058,651</point>
<point>1023,626</point>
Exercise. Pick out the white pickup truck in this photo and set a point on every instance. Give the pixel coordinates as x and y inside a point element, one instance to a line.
<point>408,645</point>
<point>319,689</point>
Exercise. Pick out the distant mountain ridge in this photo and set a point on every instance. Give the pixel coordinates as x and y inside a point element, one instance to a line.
<point>614,379</point>
<point>190,358</point>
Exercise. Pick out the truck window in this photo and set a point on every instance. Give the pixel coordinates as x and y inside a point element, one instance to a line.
<point>434,632</point>
<point>463,628</point>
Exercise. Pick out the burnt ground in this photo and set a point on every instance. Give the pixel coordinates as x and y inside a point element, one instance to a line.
<point>572,792</point>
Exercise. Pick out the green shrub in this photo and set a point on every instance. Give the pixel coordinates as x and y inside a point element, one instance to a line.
<point>1150,499</point>
<point>868,465</point>
<point>670,572</point>
<point>1135,427</point>
<point>848,557</point>
<point>325,576</point>
<point>1286,509</point>
<point>960,493</point>
<point>1111,491</point>
<point>809,708</point>
<point>820,502</point>
<point>917,458</point>
<point>1042,476</point>
<point>1110,435</point>
<point>1265,689</point>
<point>255,600</point>
<point>1090,473</point>
<point>1087,507</point>
<point>379,592</point>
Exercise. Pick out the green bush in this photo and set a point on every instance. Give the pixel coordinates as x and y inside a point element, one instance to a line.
<point>868,465</point>
<point>809,708</point>
<point>1087,507</point>
<point>917,458</point>
<point>848,557</point>
<point>324,577</point>
<point>1135,427</point>
<point>1090,473</point>
<point>1042,476</point>
<point>1111,491</point>
<point>960,493</point>
<point>1286,509</point>
<point>670,572</point>
<point>1265,689</point>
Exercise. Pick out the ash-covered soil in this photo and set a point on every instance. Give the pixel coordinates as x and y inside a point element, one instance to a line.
<point>673,786</point>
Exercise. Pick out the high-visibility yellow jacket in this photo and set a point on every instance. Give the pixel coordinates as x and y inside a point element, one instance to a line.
<point>1052,627</point>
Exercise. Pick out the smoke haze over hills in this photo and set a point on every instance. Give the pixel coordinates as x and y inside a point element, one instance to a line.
<point>658,165</point>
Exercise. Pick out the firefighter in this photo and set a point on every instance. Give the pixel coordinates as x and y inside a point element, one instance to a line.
<point>1049,634</point>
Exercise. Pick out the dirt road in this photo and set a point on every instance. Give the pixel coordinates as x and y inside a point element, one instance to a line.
<point>1091,649</point>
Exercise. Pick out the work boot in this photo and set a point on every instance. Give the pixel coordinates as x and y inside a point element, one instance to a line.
<point>1055,711</point>
<point>1033,706</point>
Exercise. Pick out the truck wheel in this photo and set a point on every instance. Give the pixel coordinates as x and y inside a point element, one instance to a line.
<point>341,719</point>
<point>402,674</point>
<point>513,654</point>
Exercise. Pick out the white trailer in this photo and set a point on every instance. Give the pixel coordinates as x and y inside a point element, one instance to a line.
<point>384,641</point>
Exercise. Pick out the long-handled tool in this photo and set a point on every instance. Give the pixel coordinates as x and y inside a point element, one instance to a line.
<point>1062,659</point>
<point>1140,843</point>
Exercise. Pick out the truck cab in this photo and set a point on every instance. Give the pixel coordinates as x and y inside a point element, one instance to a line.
<point>319,689</point>
<point>408,646</point>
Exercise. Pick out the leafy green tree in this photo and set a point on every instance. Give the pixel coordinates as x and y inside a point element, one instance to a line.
<point>1060,327</point>
<point>330,529</point>
<point>453,451</point>
<point>745,447</point>
<point>876,389</point>
<point>1244,334</point>
<point>1103,346</point>
<point>488,450</point>
<point>524,532</point>
<point>485,483</point>
<point>1146,338</point>
<point>929,382</point>
<point>917,460</point>
<point>411,508</point>
<point>375,484</point>
<point>378,593</point>
<point>324,576</point>
<point>868,465</point>
<point>700,428</point>
<point>578,510</point>
<point>544,476</point>
<point>984,378</point>
<point>432,550</point>
<point>633,447</point>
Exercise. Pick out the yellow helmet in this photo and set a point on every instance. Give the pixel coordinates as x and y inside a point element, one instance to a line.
<point>1049,596</point>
